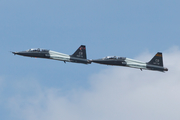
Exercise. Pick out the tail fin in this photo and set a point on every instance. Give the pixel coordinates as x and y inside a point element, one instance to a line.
<point>80,52</point>
<point>157,60</point>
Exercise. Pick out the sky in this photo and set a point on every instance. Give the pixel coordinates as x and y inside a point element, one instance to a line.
<point>42,89</point>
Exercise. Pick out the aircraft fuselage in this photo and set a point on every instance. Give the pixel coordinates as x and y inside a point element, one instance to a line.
<point>78,57</point>
<point>127,62</point>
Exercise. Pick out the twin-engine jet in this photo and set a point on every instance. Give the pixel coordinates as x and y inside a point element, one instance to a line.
<point>79,55</point>
<point>156,63</point>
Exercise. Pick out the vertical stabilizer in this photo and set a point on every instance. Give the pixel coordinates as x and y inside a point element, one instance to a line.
<point>157,60</point>
<point>80,52</point>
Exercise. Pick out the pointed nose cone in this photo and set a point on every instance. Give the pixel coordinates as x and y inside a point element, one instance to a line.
<point>97,61</point>
<point>89,61</point>
<point>19,53</point>
<point>14,53</point>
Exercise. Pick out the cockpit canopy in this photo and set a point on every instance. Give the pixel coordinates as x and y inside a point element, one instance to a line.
<point>37,50</point>
<point>114,57</point>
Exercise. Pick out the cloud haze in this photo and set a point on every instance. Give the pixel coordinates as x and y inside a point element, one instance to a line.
<point>115,93</point>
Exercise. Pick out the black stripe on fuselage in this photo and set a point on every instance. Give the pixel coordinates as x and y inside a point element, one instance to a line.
<point>155,67</point>
<point>118,62</point>
<point>79,60</point>
<point>40,54</point>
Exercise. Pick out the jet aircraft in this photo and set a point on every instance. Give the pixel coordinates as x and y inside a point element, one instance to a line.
<point>156,63</point>
<point>79,55</point>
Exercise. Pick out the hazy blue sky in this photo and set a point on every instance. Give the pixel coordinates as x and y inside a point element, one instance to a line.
<point>42,89</point>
